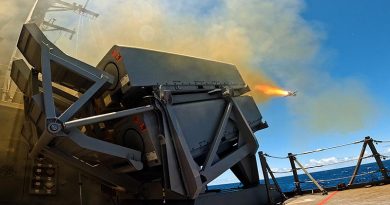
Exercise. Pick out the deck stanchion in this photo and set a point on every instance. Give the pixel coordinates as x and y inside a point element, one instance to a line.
<point>311,178</point>
<point>274,180</point>
<point>265,174</point>
<point>291,157</point>
<point>358,163</point>
<point>378,160</point>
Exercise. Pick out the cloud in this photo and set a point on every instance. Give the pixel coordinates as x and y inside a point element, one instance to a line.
<point>324,161</point>
<point>338,162</point>
<point>322,164</point>
<point>280,169</point>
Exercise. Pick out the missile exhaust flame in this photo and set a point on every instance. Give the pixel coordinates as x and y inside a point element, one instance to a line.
<point>274,91</point>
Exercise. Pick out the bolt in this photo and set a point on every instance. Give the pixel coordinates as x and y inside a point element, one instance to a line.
<point>54,127</point>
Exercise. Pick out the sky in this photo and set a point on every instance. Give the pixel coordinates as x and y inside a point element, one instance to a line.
<point>356,44</point>
<point>334,53</point>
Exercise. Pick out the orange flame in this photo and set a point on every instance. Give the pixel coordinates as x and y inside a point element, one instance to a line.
<point>271,90</point>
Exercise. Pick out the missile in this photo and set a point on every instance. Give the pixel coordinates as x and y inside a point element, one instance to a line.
<point>291,93</point>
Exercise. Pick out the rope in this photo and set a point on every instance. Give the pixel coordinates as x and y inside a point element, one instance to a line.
<point>328,148</point>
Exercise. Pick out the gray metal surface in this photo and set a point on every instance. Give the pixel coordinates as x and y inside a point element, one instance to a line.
<point>106,116</point>
<point>199,121</point>
<point>152,68</point>
<point>149,125</point>
<point>250,196</point>
<point>216,141</point>
<point>38,51</point>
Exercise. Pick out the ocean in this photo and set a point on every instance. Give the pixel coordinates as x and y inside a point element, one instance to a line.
<point>329,178</point>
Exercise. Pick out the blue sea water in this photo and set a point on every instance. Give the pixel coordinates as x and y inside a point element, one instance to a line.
<point>329,178</point>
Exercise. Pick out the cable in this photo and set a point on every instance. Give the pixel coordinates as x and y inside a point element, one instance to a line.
<point>281,172</point>
<point>94,34</point>
<point>77,35</point>
<point>321,165</point>
<point>340,162</point>
<point>58,38</point>
<point>276,157</point>
<point>328,148</point>
<point>99,33</point>
<point>384,156</point>
<point>335,179</point>
<point>313,151</point>
<point>381,141</point>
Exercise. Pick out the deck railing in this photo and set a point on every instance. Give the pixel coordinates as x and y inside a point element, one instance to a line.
<point>297,166</point>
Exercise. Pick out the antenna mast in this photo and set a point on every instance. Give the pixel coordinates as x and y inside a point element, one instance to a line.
<point>37,15</point>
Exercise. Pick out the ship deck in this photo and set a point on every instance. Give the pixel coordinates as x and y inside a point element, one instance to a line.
<point>372,195</point>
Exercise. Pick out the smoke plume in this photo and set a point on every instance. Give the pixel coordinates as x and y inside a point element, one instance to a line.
<point>267,40</point>
<point>12,16</point>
